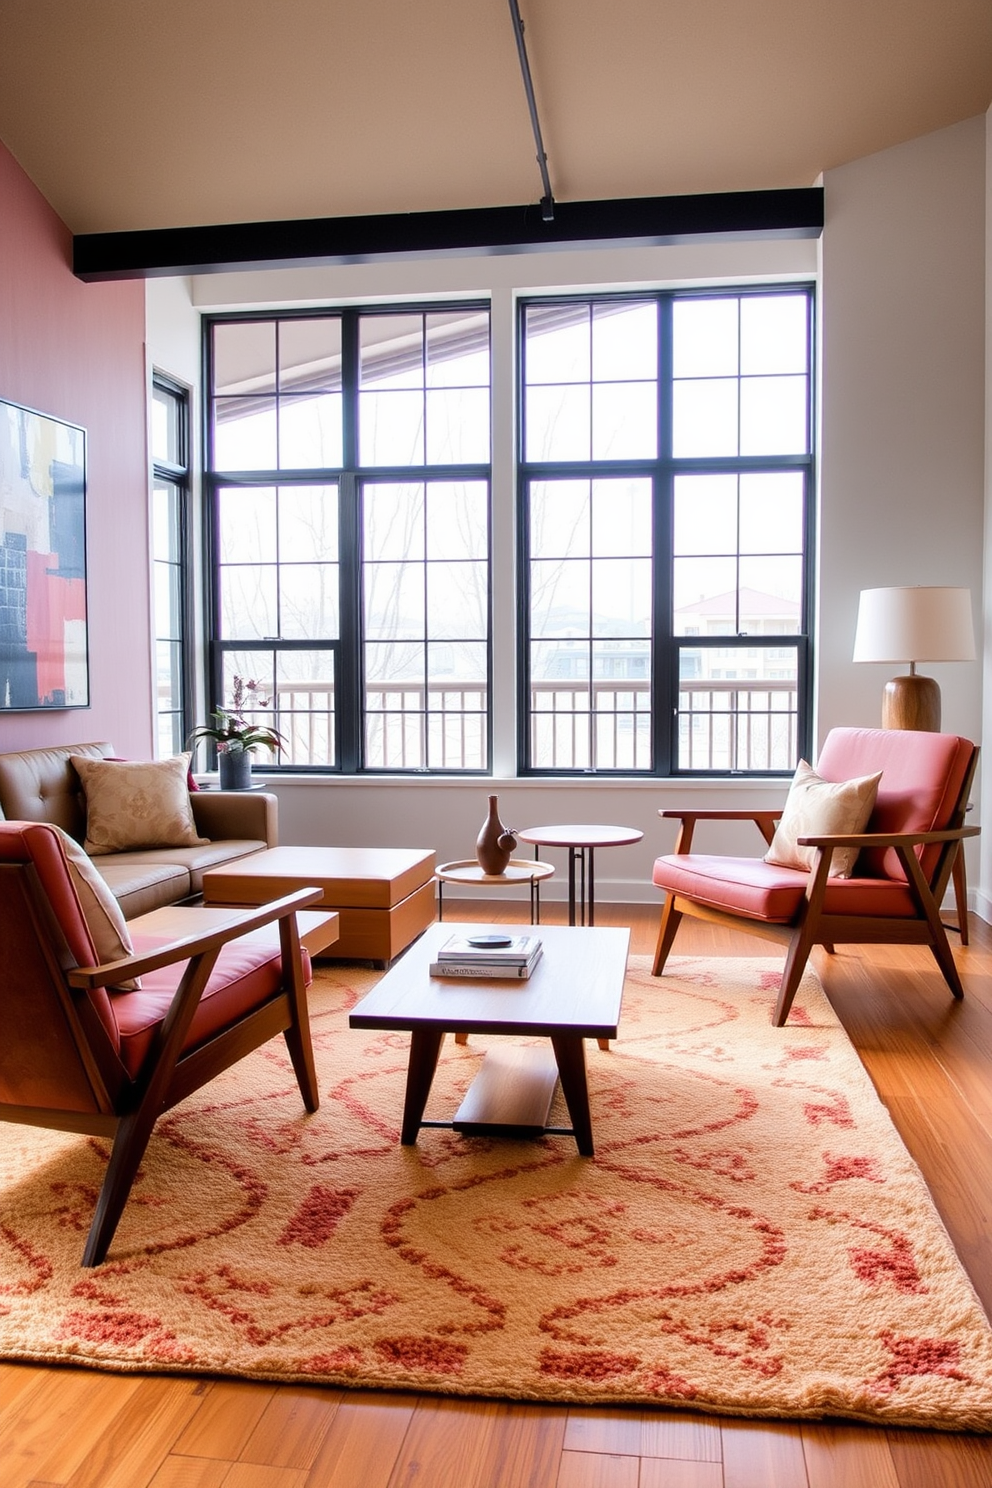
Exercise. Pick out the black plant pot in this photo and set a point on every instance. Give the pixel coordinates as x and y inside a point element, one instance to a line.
<point>235,769</point>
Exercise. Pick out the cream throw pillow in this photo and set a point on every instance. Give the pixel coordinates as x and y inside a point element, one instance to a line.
<point>820,808</point>
<point>101,911</point>
<point>130,805</point>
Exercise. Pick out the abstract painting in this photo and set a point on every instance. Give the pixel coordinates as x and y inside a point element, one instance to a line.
<point>43,632</point>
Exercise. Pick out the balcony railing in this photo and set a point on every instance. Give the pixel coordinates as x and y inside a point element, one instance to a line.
<point>723,725</point>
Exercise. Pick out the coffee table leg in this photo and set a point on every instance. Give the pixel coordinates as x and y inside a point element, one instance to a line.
<point>571,1057</point>
<point>425,1046</point>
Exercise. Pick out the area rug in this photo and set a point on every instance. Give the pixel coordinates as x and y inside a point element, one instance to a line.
<point>751,1237</point>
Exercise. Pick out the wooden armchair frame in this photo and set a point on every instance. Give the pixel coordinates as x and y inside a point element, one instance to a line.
<point>84,1083</point>
<point>812,925</point>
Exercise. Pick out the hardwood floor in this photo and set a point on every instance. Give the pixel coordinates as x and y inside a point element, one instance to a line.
<point>930,1059</point>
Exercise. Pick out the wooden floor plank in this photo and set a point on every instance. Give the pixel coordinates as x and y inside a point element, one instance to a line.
<point>848,1457</point>
<point>448,1444</point>
<point>525,1447</point>
<point>251,1475</point>
<point>763,1454</point>
<point>292,1428</point>
<point>659,1472</point>
<point>54,1425</point>
<point>228,1413</point>
<point>143,1433</point>
<point>191,1472</point>
<point>604,1431</point>
<point>926,1459</point>
<point>597,1470</point>
<point>363,1441</point>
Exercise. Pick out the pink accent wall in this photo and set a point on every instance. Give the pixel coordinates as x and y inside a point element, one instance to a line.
<point>77,351</point>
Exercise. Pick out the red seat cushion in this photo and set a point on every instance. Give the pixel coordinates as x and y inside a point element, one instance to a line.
<point>246,975</point>
<point>759,891</point>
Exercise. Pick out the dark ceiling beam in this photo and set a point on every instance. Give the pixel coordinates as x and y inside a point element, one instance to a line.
<point>633,222</point>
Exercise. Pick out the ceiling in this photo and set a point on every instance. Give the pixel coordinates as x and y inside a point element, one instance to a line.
<point>129,114</point>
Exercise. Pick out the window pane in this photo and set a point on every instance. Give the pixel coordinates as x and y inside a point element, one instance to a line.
<point>773,334</point>
<point>704,338</point>
<point>705,594</point>
<point>621,596</point>
<point>727,721</point>
<point>704,418</point>
<point>245,434</point>
<point>625,421</point>
<point>458,664</point>
<point>457,600</point>
<point>559,519</point>
<point>391,428</point>
<point>458,426</point>
<point>773,416</point>
<point>621,517</point>
<point>394,601</point>
<point>558,345</point>
<point>771,589</point>
<point>308,601</point>
<point>394,521</point>
<point>308,523</point>
<point>558,423</point>
<point>306,707</point>
<point>705,514</point>
<point>248,601</point>
<point>165,521</point>
<point>391,351</point>
<point>167,613</point>
<point>244,358</point>
<point>247,524</point>
<point>310,432</point>
<point>771,512</point>
<point>624,342</point>
<point>166,414</point>
<point>559,603</point>
<point>458,350</point>
<point>457,519</point>
<point>310,355</point>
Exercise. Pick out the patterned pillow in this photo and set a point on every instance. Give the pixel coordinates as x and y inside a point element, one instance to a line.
<point>131,805</point>
<point>101,911</point>
<point>819,808</point>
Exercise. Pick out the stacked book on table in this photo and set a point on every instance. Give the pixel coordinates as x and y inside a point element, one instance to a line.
<point>488,956</point>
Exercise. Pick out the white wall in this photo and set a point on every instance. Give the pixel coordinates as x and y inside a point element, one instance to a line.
<point>902,273</point>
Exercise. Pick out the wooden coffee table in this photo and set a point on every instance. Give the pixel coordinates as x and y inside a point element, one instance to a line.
<point>573,994</point>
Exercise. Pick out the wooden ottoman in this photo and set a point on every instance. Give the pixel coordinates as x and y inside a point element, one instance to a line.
<point>384,896</point>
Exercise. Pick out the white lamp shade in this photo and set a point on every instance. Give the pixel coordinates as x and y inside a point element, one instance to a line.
<point>923,623</point>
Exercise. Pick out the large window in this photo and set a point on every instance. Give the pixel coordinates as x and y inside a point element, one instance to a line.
<point>170,562</point>
<point>665,482</point>
<point>349,474</point>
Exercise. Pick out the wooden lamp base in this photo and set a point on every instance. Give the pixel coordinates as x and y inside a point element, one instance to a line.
<point>911,703</point>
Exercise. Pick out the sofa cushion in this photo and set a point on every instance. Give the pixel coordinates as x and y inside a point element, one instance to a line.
<point>760,891</point>
<point>816,807</point>
<point>141,887</point>
<point>195,861</point>
<point>136,804</point>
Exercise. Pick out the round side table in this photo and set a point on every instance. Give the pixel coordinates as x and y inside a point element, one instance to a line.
<point>518,871</point>
<point>581,842</point>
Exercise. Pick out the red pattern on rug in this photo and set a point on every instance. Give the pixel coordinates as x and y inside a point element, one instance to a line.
<point>750,1238</point>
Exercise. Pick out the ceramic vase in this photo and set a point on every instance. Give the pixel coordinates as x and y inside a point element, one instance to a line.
<point>235,769</point>
<point>495,843</point>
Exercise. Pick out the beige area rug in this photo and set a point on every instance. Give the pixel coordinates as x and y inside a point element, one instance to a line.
<point>751,1237</point>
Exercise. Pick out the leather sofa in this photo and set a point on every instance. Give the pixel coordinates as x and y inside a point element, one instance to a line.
<point>41,785</point>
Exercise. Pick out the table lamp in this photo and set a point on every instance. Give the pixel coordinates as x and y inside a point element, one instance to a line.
<point>922,623</point>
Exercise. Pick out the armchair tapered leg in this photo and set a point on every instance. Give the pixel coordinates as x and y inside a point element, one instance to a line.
<point>125,1158</point>
<point>671,918</point>
<point>800,946</point>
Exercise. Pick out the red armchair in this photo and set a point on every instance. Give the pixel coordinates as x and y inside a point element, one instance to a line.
<point>906,856</point>
<point>80,1056</point>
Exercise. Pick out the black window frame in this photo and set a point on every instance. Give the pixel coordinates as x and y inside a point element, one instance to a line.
<point>179,475</point>
<point>351,479</point>
<point>662,471</point>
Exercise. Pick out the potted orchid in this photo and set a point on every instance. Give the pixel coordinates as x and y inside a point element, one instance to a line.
<point>236,736</point>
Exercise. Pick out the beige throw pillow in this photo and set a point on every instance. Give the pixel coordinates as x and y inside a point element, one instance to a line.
<point>821,808</point>
<point>130,805</point>
<point>102,913</point>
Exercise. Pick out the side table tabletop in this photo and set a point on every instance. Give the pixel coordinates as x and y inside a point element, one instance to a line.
<point>518,871</point>
<point>581,842</point>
